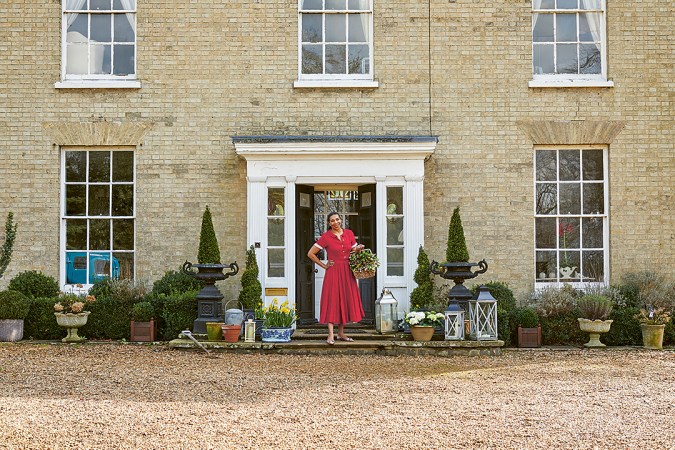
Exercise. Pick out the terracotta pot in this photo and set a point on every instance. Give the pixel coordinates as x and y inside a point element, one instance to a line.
<point>594,328</point>
<point>652,336</point>
<point>231,332</point>
<point>422,333</point>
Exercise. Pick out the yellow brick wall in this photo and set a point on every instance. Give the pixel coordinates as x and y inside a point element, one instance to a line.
<point>213,69</point>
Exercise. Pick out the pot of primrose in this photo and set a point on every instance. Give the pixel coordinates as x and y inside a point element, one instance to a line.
<point>594,310</point>
<point>14,307</point>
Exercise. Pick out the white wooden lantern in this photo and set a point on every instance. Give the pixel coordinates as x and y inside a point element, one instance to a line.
<point>454,322</point>
<point>483,316</point>
<point>386,313</point>
<point>249,330</point>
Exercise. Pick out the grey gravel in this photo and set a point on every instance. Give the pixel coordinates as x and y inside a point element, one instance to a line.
<point>107,396</point>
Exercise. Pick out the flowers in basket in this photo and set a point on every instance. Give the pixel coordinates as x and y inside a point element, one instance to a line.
<point>72,303</point>
<point>424,319</point>
<point>363,263</point>
<point>278,316</point>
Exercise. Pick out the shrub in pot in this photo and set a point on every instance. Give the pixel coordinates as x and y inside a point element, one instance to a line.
<point>594,310</point>
<point>14,307</point>
<point>142,322</point>
<point>422,297</point>
<point>526,327</point>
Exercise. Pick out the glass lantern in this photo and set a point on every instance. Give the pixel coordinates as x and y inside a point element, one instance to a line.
<point>483,316</point>
<point>386,313</point>
<point>249,330</point>
<point>454,322</point>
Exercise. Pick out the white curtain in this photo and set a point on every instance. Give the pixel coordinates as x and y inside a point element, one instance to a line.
<point>594,20</point>
<point>77,5</point>
<point>129,4</point>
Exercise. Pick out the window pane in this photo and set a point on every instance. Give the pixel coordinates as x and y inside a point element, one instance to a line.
<point>312,4</point>
<point>99,62</point>
<point>275,264</point>
<point>123,30</point>
<point>358,5</point>
<point>123,166</point>
<point>543,59</point>
<point>543,28</point>
<point>76,4</point>
<point>76,166</point>
<point>123,266</point>
<point>569,165</point>
<point>76,59</point>
<point>568,233</point>
<point>394,230</point>
<point>275,205</point>
<point>123,200</point>
<point>100,4</point>
<point>546,165</point>
<point>547,198</point>
<point>594,198</point>
<point>312,59</point>
<point>545,229</point>
<point>336,58</point>
<point>589,59</point>
<point>120,4</point>
<point>336,4</point>
<point>99,166</point>
<point>594,265</point>
<point>585,34</point>
<point>336,28</point>
<point>592,232</point>
<point>101,27</point>
<point>123,234</point>
<point>312,28</point>
<point>76,234</point>
<point>358,27</point>
<point>570,198</point>
<point>76,268</point>
<point>395,200</point>
<point>359,59</point>
<point>546,266</point>
<point>75,200</point>
<point>275,232</point>
<point>590,4</point>
<point>99,266</point>
<point>567,58</point>
<point>395,262</point>
<point>99,234</point>
<point>567,4</point>
<point>593,165</point>
<point>569,258</point>
<point>123,63</point>
<point>99,200</point>
<point>77,28</point>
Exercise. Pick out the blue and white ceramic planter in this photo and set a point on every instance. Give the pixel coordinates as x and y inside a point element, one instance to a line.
<point>276,334</point>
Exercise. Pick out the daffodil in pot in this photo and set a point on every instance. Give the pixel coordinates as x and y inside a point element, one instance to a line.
<point>595,309</point>
<point>423,323</point>
<point>70,312</point>
<point>278,320</point>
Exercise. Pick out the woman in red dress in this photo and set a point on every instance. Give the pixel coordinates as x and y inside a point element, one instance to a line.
<point>340,298</point>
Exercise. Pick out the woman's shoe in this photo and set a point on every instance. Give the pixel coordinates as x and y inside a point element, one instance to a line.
<point>346,339</point>
<point>330,341</point>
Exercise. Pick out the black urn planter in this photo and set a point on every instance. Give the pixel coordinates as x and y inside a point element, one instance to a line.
<point>209,298</point>
<point>458,272</point>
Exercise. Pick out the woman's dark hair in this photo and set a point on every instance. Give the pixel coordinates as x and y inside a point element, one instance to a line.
<point>331,214</point>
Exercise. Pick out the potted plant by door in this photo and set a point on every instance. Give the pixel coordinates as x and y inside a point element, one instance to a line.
<point>594,309</point>
<point>423,323</point>
<point>250,295</point>
<point>14,307</point>
<point>142,322</point>
<point>278,322</point>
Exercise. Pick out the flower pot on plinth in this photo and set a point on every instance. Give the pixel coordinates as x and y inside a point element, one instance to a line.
<point>652,336</point>
<point>276,334</point>
<point>71,322</point>
<point>594,328</point>
<point>422,333</point>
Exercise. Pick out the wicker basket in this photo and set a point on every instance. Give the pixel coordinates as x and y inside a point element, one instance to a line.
<point>364,274</point>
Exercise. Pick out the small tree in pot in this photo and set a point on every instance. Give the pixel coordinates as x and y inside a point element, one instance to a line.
<point>14,307</point>
<point>142,322</point>
<point>422,297</point>
<point>594,309</point>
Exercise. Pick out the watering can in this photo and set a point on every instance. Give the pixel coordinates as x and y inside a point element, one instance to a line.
<point>234,316</point>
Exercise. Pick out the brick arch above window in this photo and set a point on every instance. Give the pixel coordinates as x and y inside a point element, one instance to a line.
<point>571,132</point>
<point>97,133</point>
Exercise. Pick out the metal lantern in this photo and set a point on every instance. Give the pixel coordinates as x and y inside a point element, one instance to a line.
<point>386,313</point>
<point>483,316</point>
<point>454,322</point>
<point>249,330</point>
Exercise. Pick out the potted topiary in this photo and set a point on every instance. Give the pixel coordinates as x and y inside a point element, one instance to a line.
<point>142,322</point>
<point>210,270</point>
<point>250,295</point>
<point>14,307</point>
<point>422,297</point>
<point>456,267</point>
<point>594,309</point>
<point>529,328</point>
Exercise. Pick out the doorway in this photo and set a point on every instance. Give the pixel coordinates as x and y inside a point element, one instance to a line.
<point>356,205</point>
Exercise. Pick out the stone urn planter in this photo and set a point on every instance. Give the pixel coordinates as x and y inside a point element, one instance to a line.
<point>11,330</point>
<point>421,333</point>
<point>71,322</point>
<point>652,336</point>
<point>594,328</point>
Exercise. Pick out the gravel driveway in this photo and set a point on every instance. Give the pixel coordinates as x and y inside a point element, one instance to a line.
<point>112,396</point>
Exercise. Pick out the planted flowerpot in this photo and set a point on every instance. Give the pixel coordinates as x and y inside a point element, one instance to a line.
<point>214,331</point>
<point>276,334</point>
<point>652,336</point>
<point>231,332</point>
<point>71,322</point>
<point>143,331</point>
<point>529,337</point>
<point>11,330</point>
<point>594,328</point>
<point>422,333</point>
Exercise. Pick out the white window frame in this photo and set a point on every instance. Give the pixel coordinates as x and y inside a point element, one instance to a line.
<point>579,283</point>
<point>347,80</point>
<point>62,207</point>
<point>402,214</point>
<point>99,81</point>
<point>284,247</point>
<point>566,79</point>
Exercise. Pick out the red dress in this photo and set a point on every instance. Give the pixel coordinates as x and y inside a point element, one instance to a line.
<point>340,297</point>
